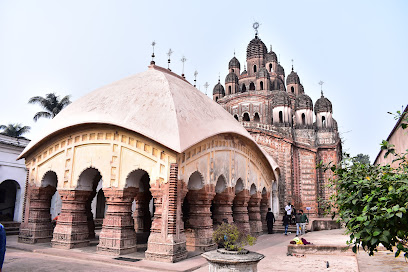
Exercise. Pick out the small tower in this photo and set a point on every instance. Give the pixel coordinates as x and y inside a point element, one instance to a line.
<point>218,91</point>
<point>293,83</point>
<point>323,110</point>
<point>262,79</point>
<point>271,61</point>
<point>281,109</point>
<point>304,112</point>
<point>234,66</point>
<point>231,83</point>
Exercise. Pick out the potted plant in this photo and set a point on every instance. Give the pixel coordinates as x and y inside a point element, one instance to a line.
<point>231,253</point>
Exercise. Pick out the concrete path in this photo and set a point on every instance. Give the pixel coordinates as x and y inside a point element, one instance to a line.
<point>41,257</point>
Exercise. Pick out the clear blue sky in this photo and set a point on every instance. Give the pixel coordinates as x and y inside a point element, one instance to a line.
<point>358,48</point>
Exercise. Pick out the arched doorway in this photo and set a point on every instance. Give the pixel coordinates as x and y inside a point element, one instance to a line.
<point>256,118</point>
<point>222,202</point>
<point>252,86</point>
<point>246,117</point>
<point>9,202</point>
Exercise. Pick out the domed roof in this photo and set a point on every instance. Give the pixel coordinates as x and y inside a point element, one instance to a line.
<point>292,78</point>
<point>231,78</point>
<point>301,89</point>
<point>256,48</point>
<point>271,57</point>
<point>280,71</point>
<point>157,104</point>
<point>323,105</point>
<point>262,73</point>
<point>280,98</point>
<point>234,63</point>
<point>303,101</point>
<point>218,89</point>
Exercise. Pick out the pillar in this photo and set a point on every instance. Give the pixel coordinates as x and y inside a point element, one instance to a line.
<point>167,241</point>
<point>240,210</point>
<point>89,215</point>
<point>254,213</point>
<point>142,218</point>
<point>72,230</point>
<point>264,211</point>
<point>199,225</point>
<point>118,235</point>
<point>38,228</point>
<point>223,206</point>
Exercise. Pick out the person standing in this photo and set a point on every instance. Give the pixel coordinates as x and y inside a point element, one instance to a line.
<point>303,220</point>
<point>286,219</point>
<point>288,209</point>
<point>2,245</point>
<point>270,219</point>
<point>298,223</point>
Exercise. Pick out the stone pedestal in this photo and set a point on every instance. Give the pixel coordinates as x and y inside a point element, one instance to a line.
<point>221,260</point>
<point>38,227</point>
<point>264,211</point>
<point>199,225</point>
<point>71,230</point>
<point>240,210</point>
<point>142,218</point>
<point>118,235</point>
<point>254,213</point>
<point>223,207</point>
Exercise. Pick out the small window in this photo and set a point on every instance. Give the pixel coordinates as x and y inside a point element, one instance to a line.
<point>270,67</point>
<point>229,89</point>
<point>233,70</point>
<point>256,117</point>
<point>323,121</point>
<point>261,84</point>
<point>236,117</point>
<point>254,68</point>
<point>292,89</point>
<point>252,86</point>
<point>303,119</point>
<point>246,117</point>
<point>243,88</point>
<point>216,98</point>
<point>280,117</point>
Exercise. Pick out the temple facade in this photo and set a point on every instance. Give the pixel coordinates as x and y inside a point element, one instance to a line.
<point>153,140</point>
<point>281,118</point>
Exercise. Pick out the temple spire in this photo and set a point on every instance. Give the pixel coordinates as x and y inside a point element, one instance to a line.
<point>321,87</point>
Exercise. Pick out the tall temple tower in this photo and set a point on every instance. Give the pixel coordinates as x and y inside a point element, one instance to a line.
<point>280,117</point>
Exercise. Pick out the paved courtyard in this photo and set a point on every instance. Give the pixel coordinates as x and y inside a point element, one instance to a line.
<point>41,257</point>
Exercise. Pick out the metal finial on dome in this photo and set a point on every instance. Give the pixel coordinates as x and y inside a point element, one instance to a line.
<point>292,64</point>
<point>321,87</point>
<point>256,26</point>
<point>219,77</point>
<point>153,44</point>
<point>234,52</point>
<point>168,61</point>
<point>271,48</point>
<point>244,67</point>
<point>195,77</point>
<point>206,85</point>
<point>183,60</point>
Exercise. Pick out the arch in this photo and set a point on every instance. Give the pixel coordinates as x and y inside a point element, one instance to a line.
<point>196,181</point>
<point>244,88</point>
<point>256,117</point>
<point>303,119</point>
<point>239,185</point>
<point>138,178</point>
<point>88,179</point>
<point>292,89</point>
<point>280,117</point>
<point>270,67</point>
<point>236,117</point>
<point>49,179</point>
<point>251,86</point>
<point>254,68</point>
<point>261,85</point>
<point>229,90</point>
<point>221,184</point>
<point>9,190</point>
<point>252,190</point>
<point>245,117</point>
<point>323,121</point>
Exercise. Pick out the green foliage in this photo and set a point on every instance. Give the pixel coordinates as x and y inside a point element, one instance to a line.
<point>231,238</point>
<point>51,104</point>
<point>372,201</point>
<point>14,130</point>
<point>361,158</point>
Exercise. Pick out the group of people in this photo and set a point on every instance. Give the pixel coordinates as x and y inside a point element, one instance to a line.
<point>300,219</point>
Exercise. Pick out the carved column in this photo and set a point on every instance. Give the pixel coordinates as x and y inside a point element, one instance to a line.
<point>254,212</point>
<point>118,235</point>
<point>264,211</point>
<point>38,227</point>
<point>240,210</point>
<point>223,206</point>
<point>72,230</point>
<point>199,225</point>
<point>142,218</point>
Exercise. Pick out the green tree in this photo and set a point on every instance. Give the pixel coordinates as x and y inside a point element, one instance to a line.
<point>372,200</point>
<point>14,130</point>
<point>364,159</point>
<point>51,104</point>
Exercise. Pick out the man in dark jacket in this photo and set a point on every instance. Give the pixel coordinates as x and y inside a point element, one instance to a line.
<point>286,220</point>
<point>270,219</point>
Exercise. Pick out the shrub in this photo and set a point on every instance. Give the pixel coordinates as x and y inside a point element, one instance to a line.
<point>230,237</point>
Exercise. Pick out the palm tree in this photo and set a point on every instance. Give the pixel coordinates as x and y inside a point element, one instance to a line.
<point>51,104</point>
<point>14,130</point>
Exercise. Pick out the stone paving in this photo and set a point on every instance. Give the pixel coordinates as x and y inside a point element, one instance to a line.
<point>41,257</point>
